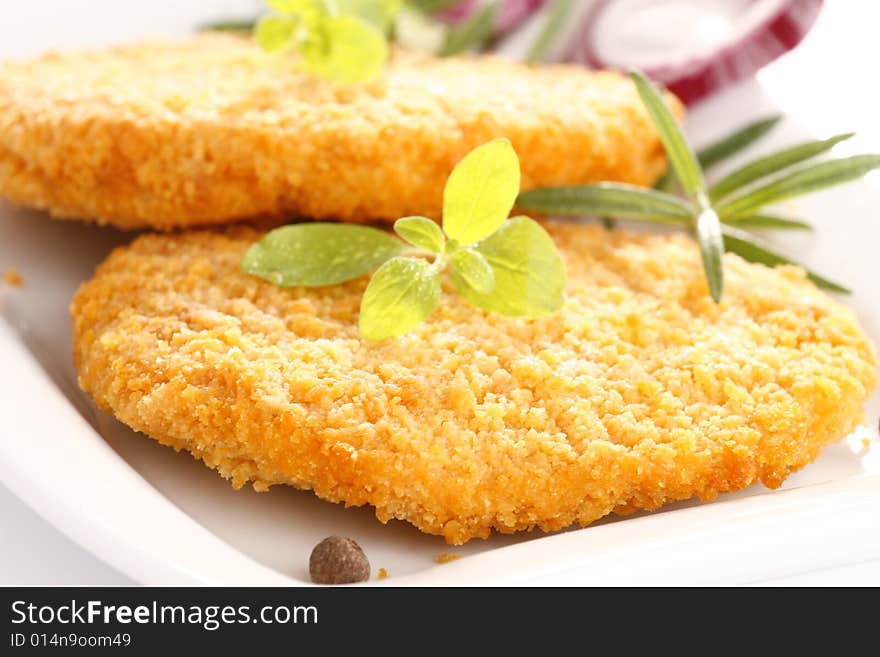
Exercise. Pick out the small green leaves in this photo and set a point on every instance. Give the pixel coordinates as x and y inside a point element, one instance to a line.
<point>317,254</point>
<point>681,157</point>
<point>291,6</point>
<point>346,50</point>
<point>422,233</point>
<point>472,270</point>
<point>481,192</point>
<point>711,250</point>
<point>400,296</point>
<point>274,33</point>
<point>343,41</point>
<point>608,199</point>
<point>510,267</point>
<point>528,270</point>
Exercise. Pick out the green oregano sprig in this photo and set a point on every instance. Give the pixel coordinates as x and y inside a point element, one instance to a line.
<point>347,41</point>
<point>718,215</point>
<point>507,266</point>
<point>339,40</point>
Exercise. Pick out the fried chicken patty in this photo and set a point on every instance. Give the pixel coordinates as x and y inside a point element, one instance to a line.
<point>640,391</point>
<point>210,129</point>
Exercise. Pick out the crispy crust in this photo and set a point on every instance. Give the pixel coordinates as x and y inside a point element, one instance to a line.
<point>210,129</point>
<point>639,392</point>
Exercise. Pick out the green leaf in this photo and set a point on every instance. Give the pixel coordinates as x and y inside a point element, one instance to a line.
<point>666,182</point>
<point>769,221</point>
<point>274,33</point>
<point>400,296</point>
<point>745,247</point>
<point>681,157</point>
<point>711,249</point>
<point>738,141</point>
<point>802,181</point>
<point>422,233</point>
<point>480,192</point>
<point>345,49</point>
<point>295,6</point>
<point>557,15</point>
<point>316,254</point>
<point>725,148</point>
<point>609,200</point>
<point>772,164</point>
<point>231,25</point>
<point>472,270</point>
<point>472,34</point>
<point>431,6</point>
<point>529,273</point>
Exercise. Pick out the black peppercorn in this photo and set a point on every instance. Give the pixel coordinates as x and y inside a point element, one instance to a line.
<point>338,560</point>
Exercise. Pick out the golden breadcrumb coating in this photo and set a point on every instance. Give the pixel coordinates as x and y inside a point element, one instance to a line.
<point>446,557</point>
<point>211,129</point>
<point>640,391</point>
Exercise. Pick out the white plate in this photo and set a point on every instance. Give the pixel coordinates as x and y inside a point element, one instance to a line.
<point>163,518</point>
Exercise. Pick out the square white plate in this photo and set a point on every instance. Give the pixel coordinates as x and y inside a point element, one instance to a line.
<point>163,518</point>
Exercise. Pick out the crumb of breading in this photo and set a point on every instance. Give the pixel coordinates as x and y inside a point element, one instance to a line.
<point>383,574</point>
<point>242,134</point>
<point>13,278</point>
<point>866,443</point>
<point>446,557</point>
<point>638,392</point>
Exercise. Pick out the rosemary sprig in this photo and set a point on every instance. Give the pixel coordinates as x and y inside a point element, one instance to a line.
<point>681,157</point>
<point>609,199</point>
<point>717,215</point>
<point>767,166</point>
<point>689,173</point>
<point>736,142</point>
<point>557,14</point>
<point>768,221</point>
<point>797,183</point>
<point>725,148</point>
<point>473,33</point>
<point>431,6</point>
<point>749,248</point>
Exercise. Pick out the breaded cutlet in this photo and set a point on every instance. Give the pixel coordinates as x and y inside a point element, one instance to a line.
<point>639,392</point>
<point>210,130</point>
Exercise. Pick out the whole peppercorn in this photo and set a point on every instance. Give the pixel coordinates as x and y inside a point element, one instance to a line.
<point>338,560</point>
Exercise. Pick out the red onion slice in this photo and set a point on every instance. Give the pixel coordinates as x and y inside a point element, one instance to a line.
<point>511,13</point>
<point>694,47</point>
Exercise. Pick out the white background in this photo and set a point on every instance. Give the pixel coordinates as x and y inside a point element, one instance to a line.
<point>828,84</point>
